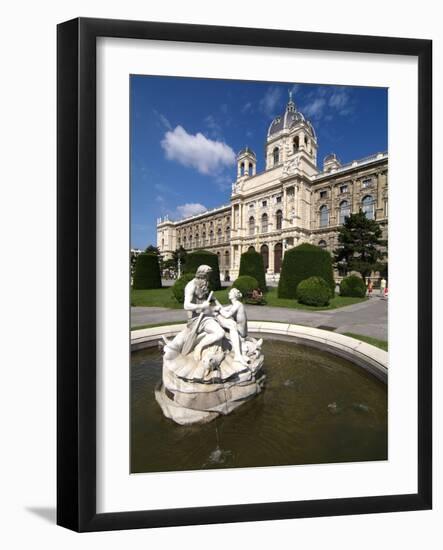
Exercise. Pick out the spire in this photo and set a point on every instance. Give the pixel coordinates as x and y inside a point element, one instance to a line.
<point>291,105</point>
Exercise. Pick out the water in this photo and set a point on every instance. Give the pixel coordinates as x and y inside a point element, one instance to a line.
<point>316,408</point>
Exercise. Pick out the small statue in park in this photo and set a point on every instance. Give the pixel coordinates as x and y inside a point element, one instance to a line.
<point>211,366</point>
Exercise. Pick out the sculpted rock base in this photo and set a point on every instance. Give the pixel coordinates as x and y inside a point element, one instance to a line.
<point>194,391</point>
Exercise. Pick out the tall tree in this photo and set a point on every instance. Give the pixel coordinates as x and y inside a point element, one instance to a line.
<point>361,247</point>
<point>151,249</point>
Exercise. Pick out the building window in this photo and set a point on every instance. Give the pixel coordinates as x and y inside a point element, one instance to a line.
<point>250,168</point>
<point>295,144</point>
<point>322,244</point>
<point>278,199</point>
<point>228,233</point>
<point>264,223</point>
<point>211,237</point>
<point>251,225</point>
<point>323,194</point>
<point>278,219</point>
<point>251,249</point>
<point>343,189</point>
<point>264,204</point>
<point>219,235</point>
<point>324,216</point>
<point>251,205</point>
<point>368,207</point>
<point>227,259</point>
<point>197,240</point>
<point>276,156</point>
<point>344,212</point>
<point>367,182</point>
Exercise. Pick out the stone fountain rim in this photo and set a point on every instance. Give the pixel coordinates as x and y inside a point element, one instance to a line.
<point>372,359</point>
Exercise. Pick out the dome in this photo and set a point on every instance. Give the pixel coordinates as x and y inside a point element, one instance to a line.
<point>290,118</point>
<point>331,156</point>
<point>246,151</point>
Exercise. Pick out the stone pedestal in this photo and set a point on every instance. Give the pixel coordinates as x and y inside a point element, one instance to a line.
<point>197,391</point>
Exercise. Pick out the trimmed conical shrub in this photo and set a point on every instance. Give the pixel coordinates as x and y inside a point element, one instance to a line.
<point>251,264</point>
<point>204,257</point>
<point>147,272</point>
<point>302,262</point>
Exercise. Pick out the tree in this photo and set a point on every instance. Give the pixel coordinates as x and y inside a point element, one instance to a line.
<point>151,249</point>
<point>147,272</point>
<point>360,245</point>
<point>302,262</point>
<point>251,263</point>
<point>204,257</point>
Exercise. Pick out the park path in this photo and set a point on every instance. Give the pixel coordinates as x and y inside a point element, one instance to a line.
<point>369,318</point>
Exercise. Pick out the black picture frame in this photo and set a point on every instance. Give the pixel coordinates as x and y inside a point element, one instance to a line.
<point>76,264</point>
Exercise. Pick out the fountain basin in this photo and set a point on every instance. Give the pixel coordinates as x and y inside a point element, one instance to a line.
<point>322,403</point>
<point>370,358</point>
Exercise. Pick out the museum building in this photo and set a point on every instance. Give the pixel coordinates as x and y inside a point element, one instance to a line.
<point>291,202</point>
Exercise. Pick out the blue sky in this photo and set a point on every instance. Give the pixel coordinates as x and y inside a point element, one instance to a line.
<point>185,133</point>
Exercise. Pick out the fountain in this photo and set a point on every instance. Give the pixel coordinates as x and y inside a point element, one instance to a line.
<point>212,366</point>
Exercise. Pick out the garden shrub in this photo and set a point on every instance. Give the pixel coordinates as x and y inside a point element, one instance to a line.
<point>245,284</point>
<point>204,257</point>
<point>178,288</point>
<point>302,262</point>
<point>251,263</point>
<point>147,272</point>
<point>314,291</point>
<point>353,285</point>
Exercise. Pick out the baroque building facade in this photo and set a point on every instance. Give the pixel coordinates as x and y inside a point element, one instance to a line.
<point>291,202</point>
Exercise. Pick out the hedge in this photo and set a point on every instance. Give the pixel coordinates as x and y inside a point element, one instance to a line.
<point>245,284</point>
<point>353,286</point>
<point>314,291</point>
<point>147,272</point>
<point>302,262</point>
<point>178,288</point>
<point>204,257</point>
<point>251,264</point>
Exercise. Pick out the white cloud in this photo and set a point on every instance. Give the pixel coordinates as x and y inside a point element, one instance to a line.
<point>340,100</point>
<point>271,101</point>
<point>197,151</point>
<point>164,122</point>
<point>190,209</point>
<point>315,108</point>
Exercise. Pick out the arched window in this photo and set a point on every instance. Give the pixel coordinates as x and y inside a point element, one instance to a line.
<point>278,219</point>
<point>276,156</point>
<point>251,249</point>
<point>204,238</point>
<point>219,235</point>
<point>211,237</point>
<point>242,169</point>
<point>227,259</point>
<point>264,223</point>
<point>295,144</point>
<point>197,240</point>
<point>344,212</point>
<point>251,225</point>
<point>264,251</point>
<point>324,216</point>
<point>306,141</point>
<point>322,244</point>
<point>368,207</point>
<point>250,168</point>
<point>228,233</point>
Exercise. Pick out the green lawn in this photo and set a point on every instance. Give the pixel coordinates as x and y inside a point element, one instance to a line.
<point>382,344</point>
<point>162,297</point>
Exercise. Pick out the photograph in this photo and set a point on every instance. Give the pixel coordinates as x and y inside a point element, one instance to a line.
<point>258,268</point>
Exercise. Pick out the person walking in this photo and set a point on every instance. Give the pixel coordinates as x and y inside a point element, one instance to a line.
<point>382,287</point>
<point>370,288</point>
